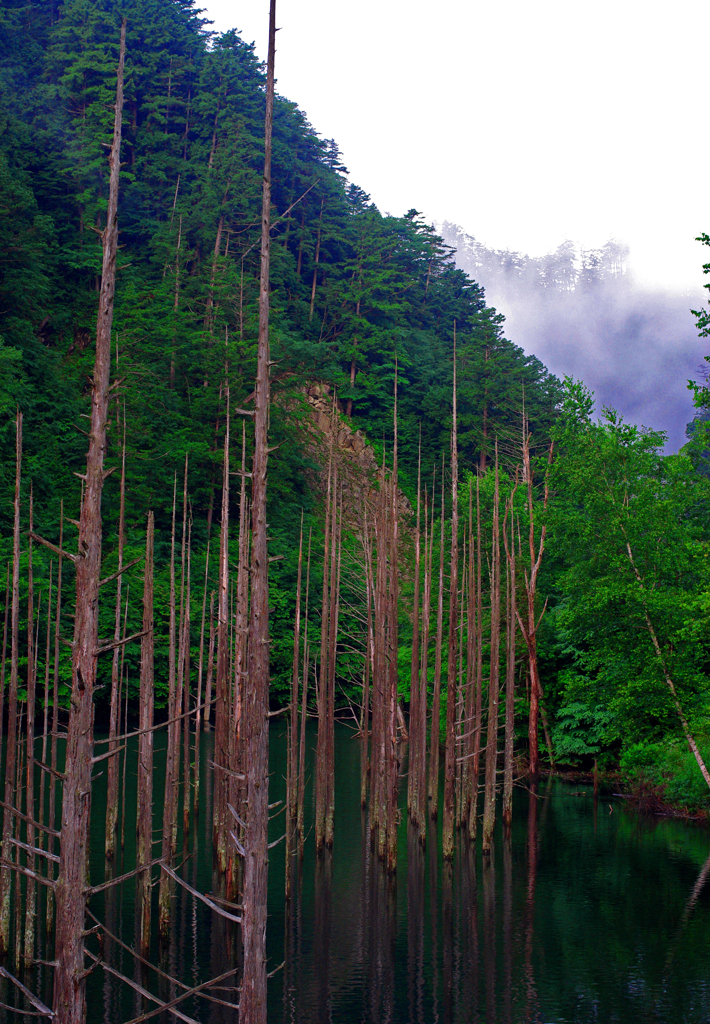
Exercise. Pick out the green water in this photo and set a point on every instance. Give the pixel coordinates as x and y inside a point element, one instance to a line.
<point>588,913</point>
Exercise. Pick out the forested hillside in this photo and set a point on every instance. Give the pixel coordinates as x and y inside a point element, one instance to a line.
<point>358,300</point>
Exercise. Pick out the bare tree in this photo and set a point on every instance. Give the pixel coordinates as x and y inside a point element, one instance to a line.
<point>252,1004</point>
<point>144,850</point>
<point>450,737</point>
<point>489,804</point>
<point>69,975</point>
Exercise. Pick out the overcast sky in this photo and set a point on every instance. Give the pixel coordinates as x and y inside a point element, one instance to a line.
<point>526,123</point>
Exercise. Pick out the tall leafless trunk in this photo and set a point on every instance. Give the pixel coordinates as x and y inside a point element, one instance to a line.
<point>171,754</point>
<point>321,781</point>
<point>450,738</point>
<point>4,648</point>
<point>252,1003</point>
<point>304,707</point>
<point>210,666</point>
<point>198,706</point>
<point>221,741</point>
<point>112,765</point>
<point>392,661</point>
<point>183,666</point>
<point>292,767</point>
<point>424,665</point>
<point>186,767</point>
<point>335,567</point>
<point>144,852</point>
<point>11,755</point>
<point>30,885</point>
<point>529,625</point>
<point>489,805</point>
<point>415,708</point>
<point>54,782</point>
<point>436,698</point>
<point>510,630</point>
<point>478,683</point>
<point>69,974</point>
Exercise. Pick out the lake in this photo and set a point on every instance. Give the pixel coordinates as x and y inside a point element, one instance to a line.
<point>588,913</point>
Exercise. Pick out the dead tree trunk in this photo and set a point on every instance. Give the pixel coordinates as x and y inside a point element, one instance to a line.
<point>69,975</point>
<point>171,754</point>
<point>436,698</point>
<point>478,682</point>
<point>529,625</point>
<point>144,852</point>
<point>186,768</point>
<point>252,1003</point>
<point>450,739</point>
<point>30,885</point>
<point>367,668</point>
<point>198,708</point>
<point>489,805</point>
<point>221,721</point>
<point>304,707</point>
<point>510,629</point>
<point>292,764</point>
<point>424,667</point>
<point>4,646</point>
<point>415,708</point>
<point>210,667</point>
<point>237,788</point>
<point>53,782</point>
<point>112,765</point>
<point>335,563</point>
<point>11,756</point>
<point>321,787</point>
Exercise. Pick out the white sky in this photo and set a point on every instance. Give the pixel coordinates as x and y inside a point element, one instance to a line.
<point>524,121</point>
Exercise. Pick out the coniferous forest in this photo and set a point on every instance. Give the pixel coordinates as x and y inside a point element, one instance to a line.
<point>267,453</point>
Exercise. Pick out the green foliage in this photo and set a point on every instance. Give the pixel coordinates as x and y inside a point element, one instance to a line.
<point>581,731</point>
<point>630,530</point>
<point>670,767</point>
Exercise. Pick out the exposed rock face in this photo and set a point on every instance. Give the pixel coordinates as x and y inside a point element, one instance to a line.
<point>357,465</point>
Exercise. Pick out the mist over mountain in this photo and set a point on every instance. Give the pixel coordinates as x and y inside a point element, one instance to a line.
<point>581,313</point>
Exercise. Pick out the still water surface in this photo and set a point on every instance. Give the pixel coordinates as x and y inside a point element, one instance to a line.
<point>588,914</point>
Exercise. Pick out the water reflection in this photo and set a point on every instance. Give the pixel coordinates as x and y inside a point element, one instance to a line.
<point>576,917</point>
<point>415,925</point>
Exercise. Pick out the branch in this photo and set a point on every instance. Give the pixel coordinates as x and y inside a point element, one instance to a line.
<point>122,878</point>
<point>200,896</point>
<point>44,1011</point>
<point>120,643</point>
<point>30,821</point>
<point>30,874</point>
<point>141,991</point>
<point>54,548</point>
<point>34,849</point>
<point>117,573</point>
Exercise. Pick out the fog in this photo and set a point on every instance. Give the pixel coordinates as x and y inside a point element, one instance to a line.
<point>580,312</point>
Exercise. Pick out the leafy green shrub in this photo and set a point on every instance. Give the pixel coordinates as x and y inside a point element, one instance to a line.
<point>670,766</point>
<point>580,731</point>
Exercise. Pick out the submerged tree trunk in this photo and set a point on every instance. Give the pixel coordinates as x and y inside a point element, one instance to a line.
<point>112,764</point>
<point>69,976</point>
<point>171,755</point>
<point>252,1003</point>
<point>30,884</point>
<point>144,851</point>
<point>489,806</point>
<point>415,707</point>
<point>510,629</point>
<point>450,738</point>
<point>11,755</point>
<point>300,793</point>
<point>436,698</point>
